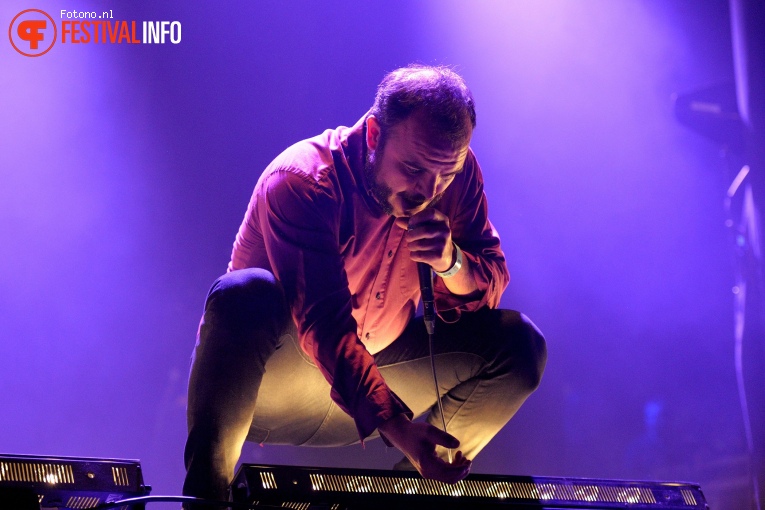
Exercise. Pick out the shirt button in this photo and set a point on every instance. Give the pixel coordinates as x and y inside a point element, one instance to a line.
<point>378,295</point>
<point>390,253</point>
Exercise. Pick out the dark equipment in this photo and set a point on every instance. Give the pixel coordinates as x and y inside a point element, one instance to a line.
<point>31,482</point>
<point>308,488</point>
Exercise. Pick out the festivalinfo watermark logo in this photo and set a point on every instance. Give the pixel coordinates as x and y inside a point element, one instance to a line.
<point>33,32</point>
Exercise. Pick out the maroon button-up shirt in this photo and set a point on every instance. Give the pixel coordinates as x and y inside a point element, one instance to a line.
<point>346,271</point>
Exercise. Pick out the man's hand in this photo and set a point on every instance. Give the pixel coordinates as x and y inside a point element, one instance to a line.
<point>429,238</point>
<point>418,442</point>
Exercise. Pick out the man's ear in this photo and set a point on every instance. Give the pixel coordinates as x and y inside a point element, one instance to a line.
<point>373,132</point>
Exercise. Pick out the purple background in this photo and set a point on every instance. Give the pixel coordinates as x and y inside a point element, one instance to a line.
<point>125,171</point>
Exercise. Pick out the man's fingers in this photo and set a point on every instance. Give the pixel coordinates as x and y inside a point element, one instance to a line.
<point>402,223</point>
<point>426,230</point>
<point>442,438</point>
<point>434,243</point>
<point>439,469</point>
<point>461,460</point>
<point>428,215</point>
<point>424,242</point>
<point>425,255</point>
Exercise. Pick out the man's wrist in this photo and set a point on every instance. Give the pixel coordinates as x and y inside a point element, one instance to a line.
<point>389,429</point>
<point>455,267</point>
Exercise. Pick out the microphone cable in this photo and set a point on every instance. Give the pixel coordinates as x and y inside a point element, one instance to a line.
<point>425,274</point>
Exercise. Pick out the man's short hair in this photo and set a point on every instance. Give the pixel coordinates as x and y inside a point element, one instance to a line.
<point>437,91</point>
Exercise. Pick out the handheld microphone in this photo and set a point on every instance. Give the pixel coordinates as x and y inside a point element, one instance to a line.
<point>428,300</point>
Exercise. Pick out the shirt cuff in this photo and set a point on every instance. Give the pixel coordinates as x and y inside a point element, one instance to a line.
<point>377,408</point>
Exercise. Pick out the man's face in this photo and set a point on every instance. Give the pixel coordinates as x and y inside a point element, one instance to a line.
<point>413,168</point>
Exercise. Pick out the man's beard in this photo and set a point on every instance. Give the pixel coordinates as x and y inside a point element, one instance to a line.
<point>379,191</point>
<point>382,193</point>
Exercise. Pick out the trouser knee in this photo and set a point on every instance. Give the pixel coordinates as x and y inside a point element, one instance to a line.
<point>524,347</point>
<point>246,301</point>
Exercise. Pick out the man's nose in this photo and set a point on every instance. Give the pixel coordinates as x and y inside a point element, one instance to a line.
<point>429,186</point>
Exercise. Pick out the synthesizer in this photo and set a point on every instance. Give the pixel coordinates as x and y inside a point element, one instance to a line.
<point>310,488</point>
